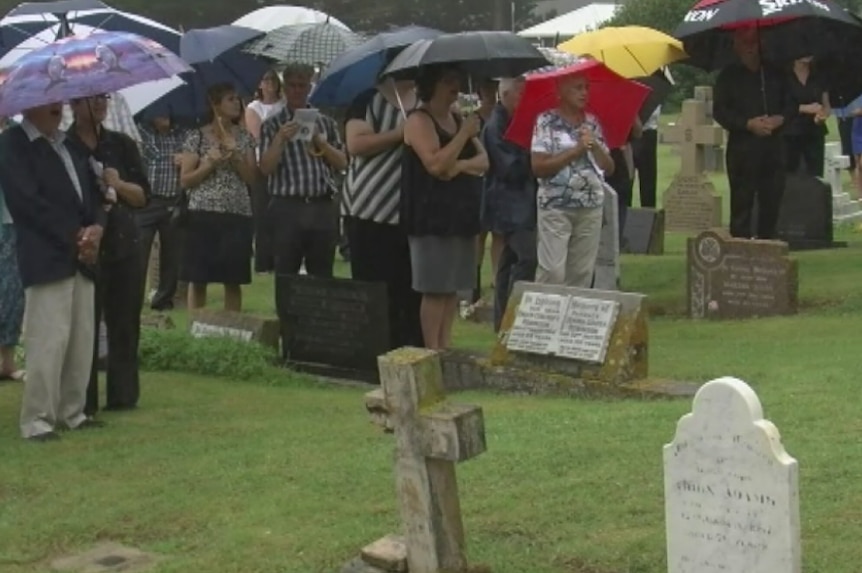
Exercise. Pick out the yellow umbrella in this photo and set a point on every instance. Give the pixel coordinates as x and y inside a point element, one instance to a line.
<point>630,51</point>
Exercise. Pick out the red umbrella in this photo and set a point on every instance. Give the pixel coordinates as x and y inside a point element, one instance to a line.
<point>614,100</point>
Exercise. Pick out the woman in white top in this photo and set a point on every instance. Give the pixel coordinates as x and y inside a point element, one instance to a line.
<point>268,101</point>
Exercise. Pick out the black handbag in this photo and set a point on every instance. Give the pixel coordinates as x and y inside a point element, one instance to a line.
<point>180,212</point>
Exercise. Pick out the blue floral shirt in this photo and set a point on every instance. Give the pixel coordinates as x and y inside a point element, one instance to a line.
<point>578,185</point>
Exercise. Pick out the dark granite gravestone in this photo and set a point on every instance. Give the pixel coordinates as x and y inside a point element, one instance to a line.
<point>332,327</point>
<point>644,232</point>
<point>805,219</point>
<point>740,278</point>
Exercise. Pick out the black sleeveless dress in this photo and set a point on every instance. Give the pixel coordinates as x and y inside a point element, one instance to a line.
<point>441,219</point>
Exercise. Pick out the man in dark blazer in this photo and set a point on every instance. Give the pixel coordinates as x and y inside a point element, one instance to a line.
<point>56,204</point>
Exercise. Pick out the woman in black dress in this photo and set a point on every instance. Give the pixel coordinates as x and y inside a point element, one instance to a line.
<point>805,133</point>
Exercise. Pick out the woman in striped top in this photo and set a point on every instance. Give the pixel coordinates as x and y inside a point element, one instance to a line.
<point>379,251</point>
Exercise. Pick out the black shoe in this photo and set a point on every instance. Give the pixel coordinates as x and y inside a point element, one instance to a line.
<point>46,437</point>
<point>89,424</point>
<point>163,307</point>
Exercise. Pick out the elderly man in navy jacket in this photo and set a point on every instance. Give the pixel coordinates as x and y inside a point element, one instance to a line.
<point>509,199</point>
<point>56,204</point>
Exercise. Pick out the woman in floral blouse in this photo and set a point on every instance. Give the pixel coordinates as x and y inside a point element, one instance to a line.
<point>570,160</point>
<point>218,165</point>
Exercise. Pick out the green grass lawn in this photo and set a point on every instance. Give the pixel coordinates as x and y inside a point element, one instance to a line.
<point>289,476</point>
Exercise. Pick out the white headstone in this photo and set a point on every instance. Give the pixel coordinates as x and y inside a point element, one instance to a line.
<point>835,166</point>
<point>731,491</point>
<point>608,260</point>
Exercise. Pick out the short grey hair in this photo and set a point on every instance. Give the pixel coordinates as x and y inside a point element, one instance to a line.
<point>507,84</point>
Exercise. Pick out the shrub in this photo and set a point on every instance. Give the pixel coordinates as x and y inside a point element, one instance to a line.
<point>179,351</point>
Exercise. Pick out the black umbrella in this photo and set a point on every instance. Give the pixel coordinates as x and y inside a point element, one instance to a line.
<point>479,54</point>
<point>788,29</point>
<point>660,87</point>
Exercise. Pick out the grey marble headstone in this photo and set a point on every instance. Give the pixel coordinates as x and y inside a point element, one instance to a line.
<point>731,491</point>
<point>607,274</point>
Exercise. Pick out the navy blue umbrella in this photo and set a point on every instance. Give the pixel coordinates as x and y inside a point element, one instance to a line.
<point>216,56</point>
<point>207,44</point>
<point>357,70</point>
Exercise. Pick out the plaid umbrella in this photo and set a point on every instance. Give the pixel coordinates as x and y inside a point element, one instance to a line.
<point>312,44</point>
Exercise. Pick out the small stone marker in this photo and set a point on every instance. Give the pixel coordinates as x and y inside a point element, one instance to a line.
<point>107,558</point>
<point>844,209</point>
<point>731,490</point>
<point>740,278</point>
<point>644,232</point>
<point>431,436</point>
<point>583,333</point>
<point>690,203</point>
<point>607,272</point>
<point>237,325</point>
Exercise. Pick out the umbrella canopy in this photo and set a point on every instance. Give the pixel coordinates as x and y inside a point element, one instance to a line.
<point>356,71</point>
<point>613,99</point>
<point>479,54</point>
<point>65,17</point>
<point>82,67</point>
<point>312,44</point>
<point>631,51</point>
<point>788,30</point>
<point>207,44</point>
<point>138,96</point>
<point>271,17</point>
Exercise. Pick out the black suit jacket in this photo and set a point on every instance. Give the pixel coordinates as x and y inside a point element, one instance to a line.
<point>45,206</point>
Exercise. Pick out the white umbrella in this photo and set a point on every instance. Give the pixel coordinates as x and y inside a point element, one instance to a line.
<point>272,17</point>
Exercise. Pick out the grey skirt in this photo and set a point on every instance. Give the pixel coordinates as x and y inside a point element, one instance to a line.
<point>443,265</point>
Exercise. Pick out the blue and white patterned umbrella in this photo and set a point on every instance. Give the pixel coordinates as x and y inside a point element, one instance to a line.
<point>312,44</point>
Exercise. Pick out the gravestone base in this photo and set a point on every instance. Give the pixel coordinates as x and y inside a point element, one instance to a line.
<point>330,372</point>
<point>107,558</point>
<point>465,371</point>
<point>845,210</point>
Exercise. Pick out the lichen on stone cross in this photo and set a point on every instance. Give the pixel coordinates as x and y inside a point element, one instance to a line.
<point>432,435</point>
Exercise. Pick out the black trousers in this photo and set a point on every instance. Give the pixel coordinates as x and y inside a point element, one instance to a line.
<point>152,219</point>
<point>119,298</point>
<point>304,232</point>
<point>622,182</point>
<point>646,165</point>
<point>805,154</point>
<point>264,259</point>
<point>518,262</point>
<point>380,253</point>
<point>755,171</point>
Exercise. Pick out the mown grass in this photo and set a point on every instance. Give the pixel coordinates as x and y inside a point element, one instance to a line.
<point>284,474</point>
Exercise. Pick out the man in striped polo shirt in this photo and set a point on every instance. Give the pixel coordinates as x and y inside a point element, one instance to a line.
<point>302,211</point>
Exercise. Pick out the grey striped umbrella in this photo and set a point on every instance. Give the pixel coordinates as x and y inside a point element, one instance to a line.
<point>312,44</point>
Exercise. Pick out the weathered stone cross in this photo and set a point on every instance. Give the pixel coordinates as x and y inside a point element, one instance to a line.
<point>431,435</point>
<point>694,132</point>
